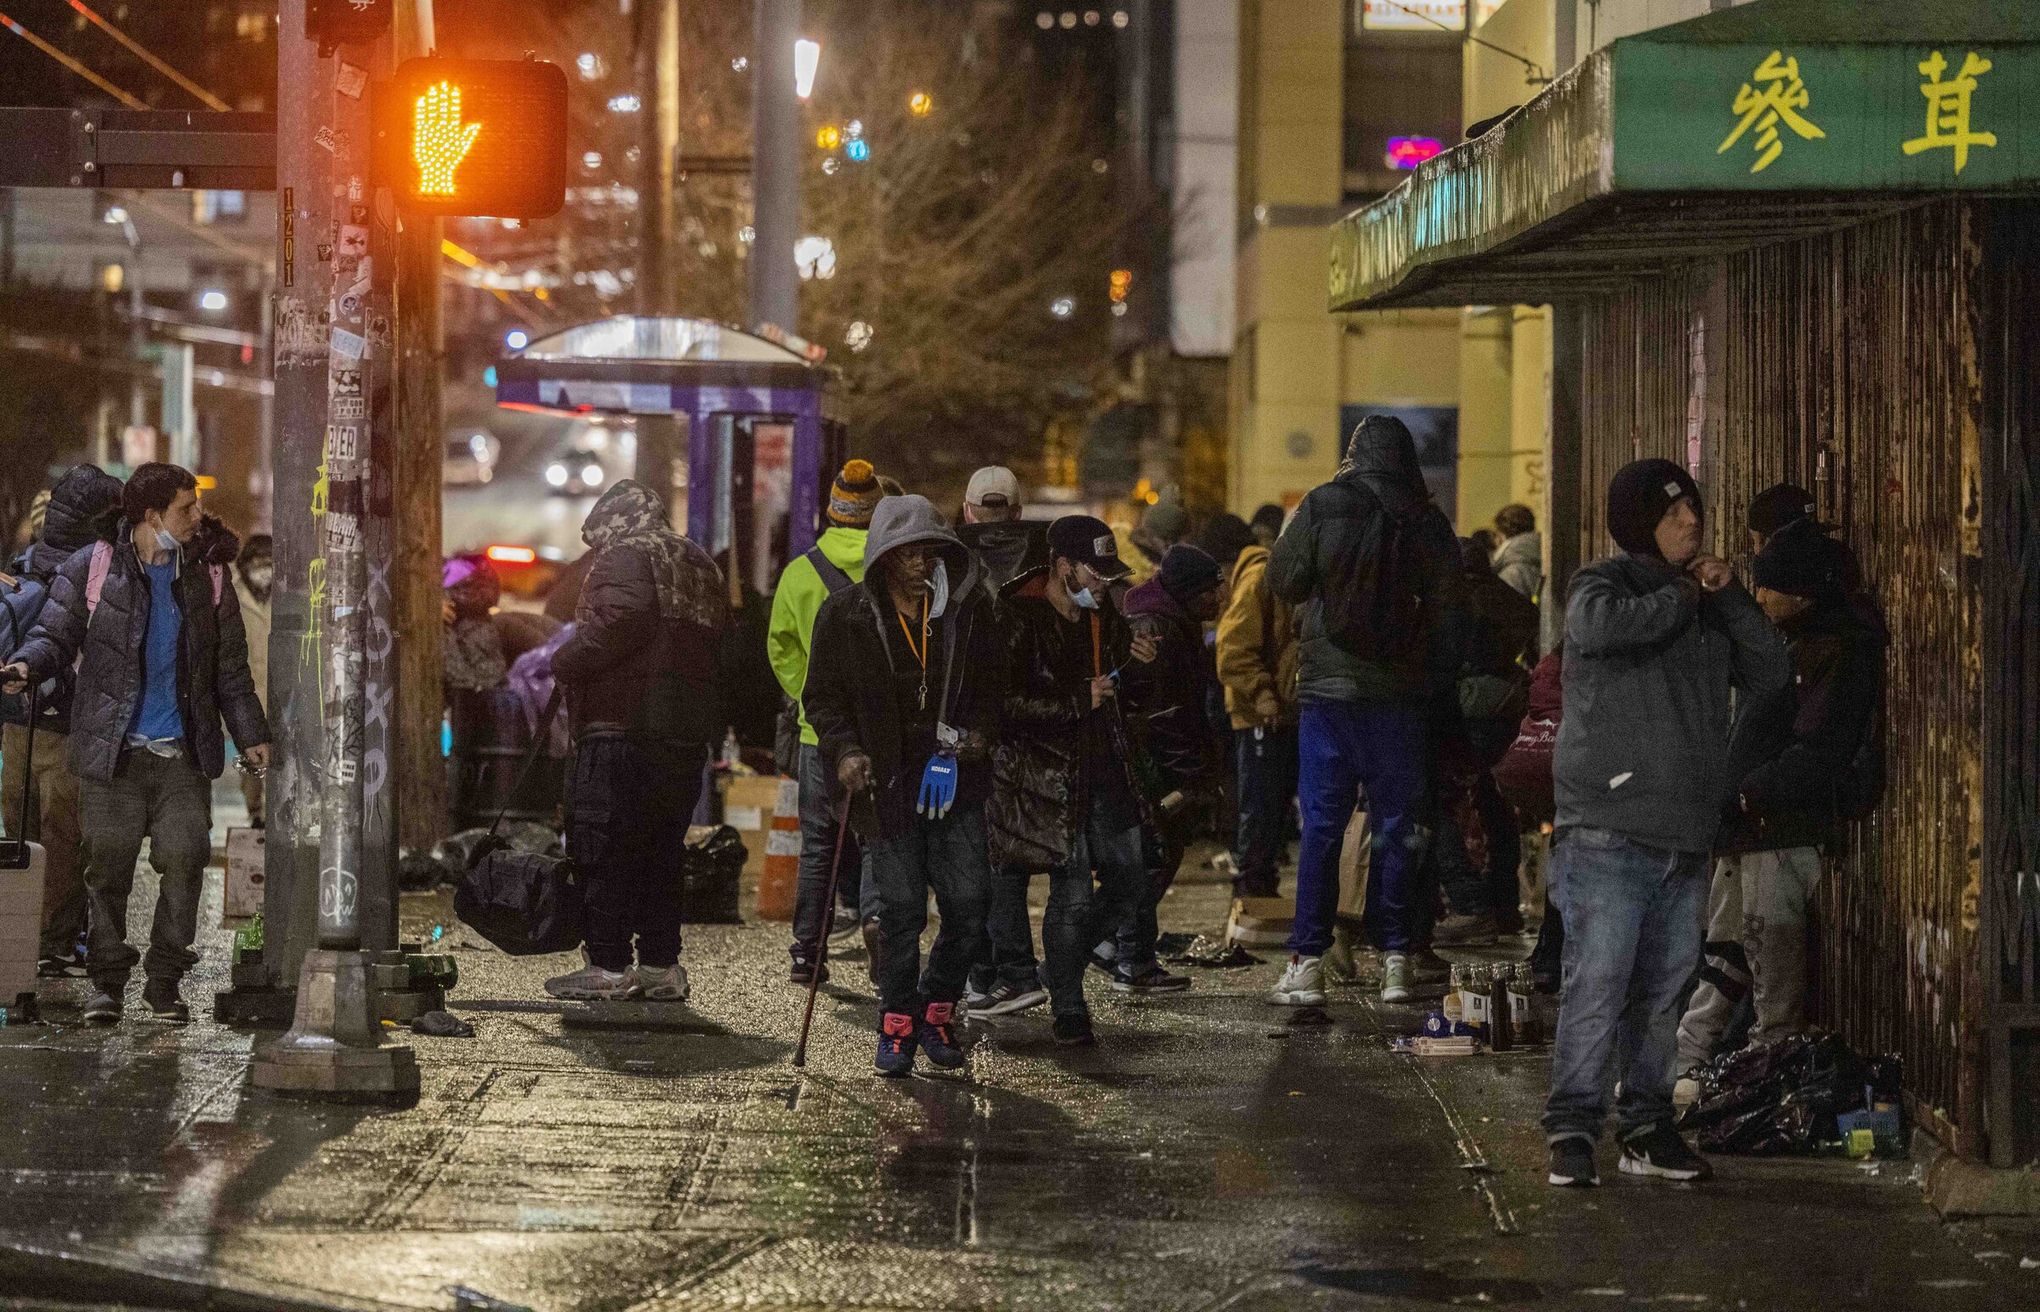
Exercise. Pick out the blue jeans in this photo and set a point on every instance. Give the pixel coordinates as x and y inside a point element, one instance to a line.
<point>1267,774</point>
<point>948,857</point>
<point>1634,917</point>
<point>1005,952</point>
<point>1079,916</point>
<point>1343,746</point>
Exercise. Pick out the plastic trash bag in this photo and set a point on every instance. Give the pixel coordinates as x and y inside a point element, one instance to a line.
<point>711,873</point>
<point>1785,1097</point>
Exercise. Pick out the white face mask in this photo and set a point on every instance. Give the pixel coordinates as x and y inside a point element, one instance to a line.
<point>164,541</point>
<point>938,590</point>
<point>261,576</point>
<point>1084,599</point>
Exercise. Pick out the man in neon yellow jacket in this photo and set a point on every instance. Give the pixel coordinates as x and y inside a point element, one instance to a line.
<point>835,562</point>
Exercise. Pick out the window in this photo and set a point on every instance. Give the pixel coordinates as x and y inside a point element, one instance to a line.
<point>253,26</point>
<point>1398,85</point>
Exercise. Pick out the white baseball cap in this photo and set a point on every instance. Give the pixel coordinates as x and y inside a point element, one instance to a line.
<point>992,481</point>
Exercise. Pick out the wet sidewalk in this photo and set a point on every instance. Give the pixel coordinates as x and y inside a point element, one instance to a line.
<point>1208,1155</point>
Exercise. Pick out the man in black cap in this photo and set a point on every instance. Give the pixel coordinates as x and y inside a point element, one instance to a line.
<point>1806,759</point>
<point>1655,638</point>
<point>1065,798</point>
<point>1777,508</point>
<point>1166,700</point>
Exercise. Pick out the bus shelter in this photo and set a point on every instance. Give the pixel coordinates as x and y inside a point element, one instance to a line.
<point>761,441</point>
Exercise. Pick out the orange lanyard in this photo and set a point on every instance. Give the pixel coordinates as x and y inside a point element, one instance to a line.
<point>921,652</point>
<point>1097,654</point>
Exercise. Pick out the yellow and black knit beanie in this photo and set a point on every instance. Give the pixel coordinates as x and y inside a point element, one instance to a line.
<point>855,495</point>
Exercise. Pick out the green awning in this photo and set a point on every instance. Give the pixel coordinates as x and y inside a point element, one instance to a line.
<point>1761,123</point>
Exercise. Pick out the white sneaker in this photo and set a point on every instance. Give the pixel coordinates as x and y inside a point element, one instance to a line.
<point>1395,977</point>
<point>668,985</point>
<point>1302,984</point>
<point>591,983</point>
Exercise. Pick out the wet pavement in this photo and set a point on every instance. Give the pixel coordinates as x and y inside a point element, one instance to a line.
<point>1208,1155</point>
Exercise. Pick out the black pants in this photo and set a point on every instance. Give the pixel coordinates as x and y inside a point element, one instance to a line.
<point>628,807</point>
<point>945,856</point>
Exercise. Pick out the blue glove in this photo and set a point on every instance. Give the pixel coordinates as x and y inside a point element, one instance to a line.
<point>938,787</point>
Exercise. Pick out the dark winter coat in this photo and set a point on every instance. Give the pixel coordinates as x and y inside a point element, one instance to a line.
<point>1806,756</point>
<point>1166,700</point>
<point>644,658</point>
<point>1007,550</point>
<point>1041,792</point>
<point>1500,640</point>
<point>213,681</point>
<point>849,696</point>
<point>84,508</point>
<point>1649,661</point>
<point>1382,458</point>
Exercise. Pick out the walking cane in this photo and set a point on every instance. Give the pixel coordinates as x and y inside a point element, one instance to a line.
<point>820,955</point>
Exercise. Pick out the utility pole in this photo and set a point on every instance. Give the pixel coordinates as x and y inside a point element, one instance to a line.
<point>775,166</point>
<point>657,52</point>
<point>334,394</point>
<point>418,469</point>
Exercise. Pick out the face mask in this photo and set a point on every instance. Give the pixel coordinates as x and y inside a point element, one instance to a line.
<point>165,541</point>
<point>261,576</point>
<point>1084,599</point>
<point>938,591</point>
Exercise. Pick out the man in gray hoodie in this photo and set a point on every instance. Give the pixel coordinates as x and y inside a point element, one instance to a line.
<point>1655,638</point>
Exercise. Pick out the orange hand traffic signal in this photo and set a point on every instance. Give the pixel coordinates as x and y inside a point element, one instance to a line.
<point>462,137</point>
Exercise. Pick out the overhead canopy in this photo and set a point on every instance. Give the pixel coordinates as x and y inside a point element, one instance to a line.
<point>1756,124</point>
<point>647,365</point>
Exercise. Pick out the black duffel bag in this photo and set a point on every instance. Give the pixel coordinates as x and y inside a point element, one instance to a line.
<point>526,903</point>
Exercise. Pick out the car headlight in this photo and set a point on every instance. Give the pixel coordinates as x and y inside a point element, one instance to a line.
<point>556,474</point>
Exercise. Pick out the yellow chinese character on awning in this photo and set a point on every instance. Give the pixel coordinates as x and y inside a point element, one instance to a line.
<point>1773,95</point>
<point>1948,108</point>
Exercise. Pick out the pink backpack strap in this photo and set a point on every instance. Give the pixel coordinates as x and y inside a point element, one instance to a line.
<point>95,577</point>
<point>95,585</point>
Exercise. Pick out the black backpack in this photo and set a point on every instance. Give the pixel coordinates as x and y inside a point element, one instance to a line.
<point>1371,588</point>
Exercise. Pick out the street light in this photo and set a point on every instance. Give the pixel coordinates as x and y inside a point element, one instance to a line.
<point>517,339</point>
<point>807,60</point>
<point>214,300</point>
<point>920,104</point>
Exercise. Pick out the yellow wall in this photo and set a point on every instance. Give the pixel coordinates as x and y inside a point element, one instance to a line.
<point>1504,351</point>
<point>1294,363</point>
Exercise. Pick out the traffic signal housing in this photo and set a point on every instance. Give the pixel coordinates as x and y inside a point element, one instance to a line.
<point>473,137</point>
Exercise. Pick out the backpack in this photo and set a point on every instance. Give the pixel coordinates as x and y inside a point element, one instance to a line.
<point>786,731</point>
<point>95,587</point>
<point>1372,587</point>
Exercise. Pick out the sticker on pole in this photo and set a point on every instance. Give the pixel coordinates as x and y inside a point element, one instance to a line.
<point>473,137</point>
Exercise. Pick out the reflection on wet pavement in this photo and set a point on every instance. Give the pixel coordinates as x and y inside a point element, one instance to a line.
<point>1211,1153</point>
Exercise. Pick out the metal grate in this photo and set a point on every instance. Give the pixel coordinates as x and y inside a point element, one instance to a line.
<point>1849,363</point>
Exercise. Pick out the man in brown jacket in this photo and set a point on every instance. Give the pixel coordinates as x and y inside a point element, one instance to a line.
<point>1257,661</point>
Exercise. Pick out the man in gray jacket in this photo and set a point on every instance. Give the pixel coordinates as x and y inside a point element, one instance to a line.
<point>162,662</point>
<point>1655,638</point>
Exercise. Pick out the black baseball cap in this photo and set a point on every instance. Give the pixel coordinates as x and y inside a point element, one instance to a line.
<point>1087,541</point>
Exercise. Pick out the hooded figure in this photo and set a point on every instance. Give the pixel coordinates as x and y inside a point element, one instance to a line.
<point>1374,568</point>
<point>1519,558</point>
<point>474,659</point>
<point>903,690</point>
<point>83,508</point>
<point>641,678</point>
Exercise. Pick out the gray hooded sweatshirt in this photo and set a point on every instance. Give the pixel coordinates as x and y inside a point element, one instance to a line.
<point>1649,661</point>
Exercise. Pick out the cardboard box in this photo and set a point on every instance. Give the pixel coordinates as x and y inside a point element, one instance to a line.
<point>748,802</point>
<point>246,871</point>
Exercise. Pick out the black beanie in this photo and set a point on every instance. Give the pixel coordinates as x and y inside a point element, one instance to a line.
<point>1187,573</point>
<point>1638,497</point>
<point>1777,506</point>
<point>1803,564</point>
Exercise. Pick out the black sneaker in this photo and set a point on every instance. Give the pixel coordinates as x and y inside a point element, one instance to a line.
<point>1005,998</point>
<point>803,973</point>
<point>71,967</point>
<point>160,996</point>
<point>1152,980</point>
<point>1075,1031</point>
<point>937,1036</point>
<point>1572,1163</point>
<point>103,1007</point>
<point>1659,1151</point>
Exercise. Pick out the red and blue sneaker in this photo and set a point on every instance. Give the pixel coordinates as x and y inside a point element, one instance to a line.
<point>936,1037</point>
<point>895,1045</point>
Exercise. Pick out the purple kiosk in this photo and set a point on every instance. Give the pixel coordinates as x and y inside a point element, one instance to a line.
<point>761,442</point>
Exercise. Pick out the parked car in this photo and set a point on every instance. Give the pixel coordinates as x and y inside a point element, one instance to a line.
<point>471,460</point>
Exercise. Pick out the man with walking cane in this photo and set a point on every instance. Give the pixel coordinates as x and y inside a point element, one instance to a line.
<point>903,693</point>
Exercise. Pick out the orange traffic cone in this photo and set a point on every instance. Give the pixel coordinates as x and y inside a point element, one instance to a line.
<point>782,855</point>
